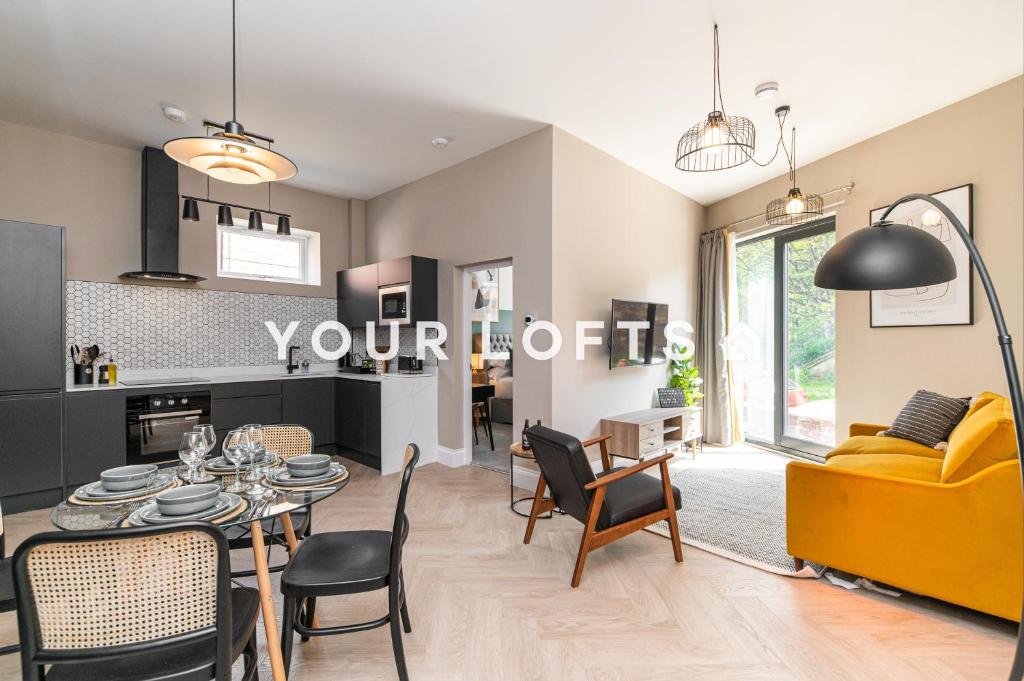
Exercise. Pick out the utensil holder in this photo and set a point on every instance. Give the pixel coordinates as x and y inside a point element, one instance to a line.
<point>82,374</point>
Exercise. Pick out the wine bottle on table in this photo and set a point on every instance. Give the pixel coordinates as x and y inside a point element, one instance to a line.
<point>526,438</point>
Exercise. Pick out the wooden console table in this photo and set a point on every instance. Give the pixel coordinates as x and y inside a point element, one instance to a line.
<point>644,433</point>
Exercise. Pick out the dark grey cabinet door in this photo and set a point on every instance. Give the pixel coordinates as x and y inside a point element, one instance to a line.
<point>357,296</point>
<point>232,413</point>
<point>95,434</point>
<point>424,289</point>
<point>30,445</point>
<point>31,307</point>
<point>371,418</point>
<point>348,414</point>
<point>310,402</point>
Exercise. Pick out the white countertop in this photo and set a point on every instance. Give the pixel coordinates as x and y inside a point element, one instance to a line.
<point>207,376</point>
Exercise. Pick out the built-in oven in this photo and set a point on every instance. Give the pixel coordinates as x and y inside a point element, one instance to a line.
<point>395,304</point>
<point>155,422</point>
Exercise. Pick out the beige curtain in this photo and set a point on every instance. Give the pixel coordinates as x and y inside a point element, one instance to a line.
<point>712,332</point>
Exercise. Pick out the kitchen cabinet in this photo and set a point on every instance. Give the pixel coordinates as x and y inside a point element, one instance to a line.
<point>357,296</point>
<point>310,402</point>
<point>95,434</point>
<point>357,421</point>
<point>232,413</point>
<point>357,289</point>
<point>31,436</point>
<point>32,307</point>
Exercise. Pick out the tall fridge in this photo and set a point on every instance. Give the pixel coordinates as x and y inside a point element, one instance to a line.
<point>31,365</point>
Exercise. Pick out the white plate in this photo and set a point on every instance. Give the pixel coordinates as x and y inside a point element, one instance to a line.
<point>151,515</point>
<point>95,491</point>
<point>281,476</point>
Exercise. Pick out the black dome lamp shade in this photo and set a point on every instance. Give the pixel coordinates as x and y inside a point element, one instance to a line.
<point>284,226</point>
<point>224,218</point>
<point>887,255</point>
<point>190,211</point>
<point>255,221</point>
<point>884,256</point>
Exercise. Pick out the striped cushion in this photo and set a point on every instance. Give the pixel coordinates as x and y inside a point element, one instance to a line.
<point>928,418</point>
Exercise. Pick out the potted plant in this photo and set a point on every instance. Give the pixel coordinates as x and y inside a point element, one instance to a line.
<point>685,376</point>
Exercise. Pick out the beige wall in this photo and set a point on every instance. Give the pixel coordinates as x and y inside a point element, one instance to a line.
<point>94,190</point>
<point>491,207</point>
<point>977,140</point>
<point>617,233</point>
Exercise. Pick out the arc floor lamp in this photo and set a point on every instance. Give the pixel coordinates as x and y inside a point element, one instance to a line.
<point>886,255</point>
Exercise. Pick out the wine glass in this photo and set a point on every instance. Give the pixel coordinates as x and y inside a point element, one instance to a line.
<point>190,451</point>
<point>236,447</point>
<point>209,443</point>
<point>256,450</point>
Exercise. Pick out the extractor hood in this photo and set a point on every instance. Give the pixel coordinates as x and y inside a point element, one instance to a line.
<point>160,220</point>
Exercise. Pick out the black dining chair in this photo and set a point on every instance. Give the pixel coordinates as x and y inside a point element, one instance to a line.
<point>611,504</point>
<point>133,604</point>
<point>339,563</point>
<point>7,602</point>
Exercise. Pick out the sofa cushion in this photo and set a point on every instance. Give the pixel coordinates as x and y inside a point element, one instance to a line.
<point>928,417</point>
<point>876,444</point>
<point>986,438</point>
<point>977,402</point>
<point>907,466</point>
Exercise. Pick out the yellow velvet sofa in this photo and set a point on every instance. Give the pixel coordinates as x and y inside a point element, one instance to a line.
<point>941,524</point>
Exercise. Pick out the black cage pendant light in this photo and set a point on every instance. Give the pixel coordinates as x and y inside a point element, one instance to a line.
<point>719,142</point>
<point>795,208</point>
<point>232,155</point>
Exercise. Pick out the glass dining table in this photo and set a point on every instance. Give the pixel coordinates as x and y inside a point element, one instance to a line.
<point>273,504</point>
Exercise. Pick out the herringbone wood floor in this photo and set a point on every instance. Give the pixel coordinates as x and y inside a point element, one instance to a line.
<point>485,607</point>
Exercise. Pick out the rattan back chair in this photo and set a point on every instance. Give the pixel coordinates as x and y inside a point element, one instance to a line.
<point>7,602</point>
<point>140,603</point>
<point>287,440</point>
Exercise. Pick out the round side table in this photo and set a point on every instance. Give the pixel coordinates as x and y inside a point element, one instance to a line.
<point>516,450</point>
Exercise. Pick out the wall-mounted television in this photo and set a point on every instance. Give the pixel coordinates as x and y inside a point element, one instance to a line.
<point>650,341</point>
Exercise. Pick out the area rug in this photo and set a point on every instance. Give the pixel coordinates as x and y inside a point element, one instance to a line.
<point>739,514</point>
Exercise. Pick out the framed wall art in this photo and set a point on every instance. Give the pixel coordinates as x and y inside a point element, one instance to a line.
<point>951,303</point>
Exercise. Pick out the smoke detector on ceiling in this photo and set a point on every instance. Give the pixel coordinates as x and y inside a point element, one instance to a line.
<point>766,90</point>
<point>440,142</point>
<point>173,113</point>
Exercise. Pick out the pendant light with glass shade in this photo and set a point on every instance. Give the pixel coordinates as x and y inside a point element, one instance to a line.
<point>795,207</point>
<point>232,155</point>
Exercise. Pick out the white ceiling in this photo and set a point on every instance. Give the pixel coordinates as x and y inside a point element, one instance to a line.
<point>355,91</point>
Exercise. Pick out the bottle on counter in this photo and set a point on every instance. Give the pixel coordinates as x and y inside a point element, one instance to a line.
<point>525,437</point>
<point>103,375</point>
<point>112,371</point>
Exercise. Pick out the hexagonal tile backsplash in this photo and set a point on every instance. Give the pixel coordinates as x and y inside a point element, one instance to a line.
<point>162,327</point>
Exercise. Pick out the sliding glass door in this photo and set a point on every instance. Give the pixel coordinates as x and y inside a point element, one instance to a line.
<point>783,343</point>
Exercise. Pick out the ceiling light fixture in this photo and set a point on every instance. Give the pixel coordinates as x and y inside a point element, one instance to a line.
<point>173,113</point>
<point>440,142</point>
<point>720,141</point>
<point>284,226</point>
<point>766,90</point>
<point>232,155</point>
<point>255,221</point>
<point>190,211</point>
<point>795,207</point>
<point>224,218</point>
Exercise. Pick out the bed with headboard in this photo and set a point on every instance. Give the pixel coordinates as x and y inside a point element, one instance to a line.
<point>499,374</point>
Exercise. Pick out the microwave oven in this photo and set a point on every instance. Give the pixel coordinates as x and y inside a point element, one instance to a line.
<point>395,304</point>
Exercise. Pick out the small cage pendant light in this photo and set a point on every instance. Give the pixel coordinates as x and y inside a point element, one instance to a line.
<point>720,141</point>
<point>795,207</point>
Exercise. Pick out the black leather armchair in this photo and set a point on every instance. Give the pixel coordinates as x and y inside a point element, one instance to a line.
<point>611,505</point>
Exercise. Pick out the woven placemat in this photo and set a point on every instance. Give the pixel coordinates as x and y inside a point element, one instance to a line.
<point>77,501</point>
<point>304,488</point>
<point>242,507</point>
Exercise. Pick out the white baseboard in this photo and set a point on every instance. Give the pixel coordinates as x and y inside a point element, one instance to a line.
<point>525,478</point>
<point>453,458</point>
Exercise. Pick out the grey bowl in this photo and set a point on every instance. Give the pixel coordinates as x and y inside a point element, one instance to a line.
<point>125,478</point>
<point>187,499</point>
<point>308,465</point>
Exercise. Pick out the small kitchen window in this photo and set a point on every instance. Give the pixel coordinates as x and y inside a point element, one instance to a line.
<point>266,256</point>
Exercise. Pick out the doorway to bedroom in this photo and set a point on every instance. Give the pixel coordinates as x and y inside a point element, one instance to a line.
<point>491,360</point>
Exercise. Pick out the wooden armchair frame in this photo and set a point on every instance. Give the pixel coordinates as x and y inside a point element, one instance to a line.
<point>594,539</point>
